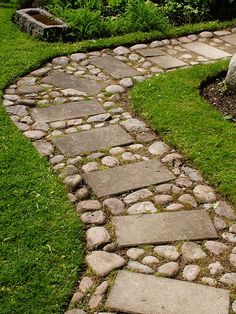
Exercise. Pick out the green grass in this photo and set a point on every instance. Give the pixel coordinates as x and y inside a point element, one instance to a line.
<point>172,105</point>
<point>41,237</point>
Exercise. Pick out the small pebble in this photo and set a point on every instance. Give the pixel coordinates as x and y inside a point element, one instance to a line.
<point>191,272</point>
<point>135,253</point>
<point>169,269</point>
<point>209,281</point>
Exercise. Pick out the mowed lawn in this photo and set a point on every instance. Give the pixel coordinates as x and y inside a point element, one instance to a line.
<point>171,103</point>
<point>41,236</point>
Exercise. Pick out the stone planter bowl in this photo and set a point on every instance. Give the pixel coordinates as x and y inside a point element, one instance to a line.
<point>40,24</point>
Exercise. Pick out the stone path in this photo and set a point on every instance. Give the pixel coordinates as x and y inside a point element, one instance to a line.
<point>147,214</point>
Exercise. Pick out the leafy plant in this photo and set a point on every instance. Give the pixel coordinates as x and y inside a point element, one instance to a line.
<point>98,18</point>
<point>144,16</point>
<point>187,11</point>
<point>24,3</point>
<point>85,23</point>
<point>116,6</point>
<point>77,4</point>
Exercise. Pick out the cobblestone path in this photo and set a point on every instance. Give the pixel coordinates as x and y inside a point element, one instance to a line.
<point>158,238</point>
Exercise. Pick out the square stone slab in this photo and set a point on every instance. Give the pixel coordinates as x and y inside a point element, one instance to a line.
<point>114,67</point>
<point>28,89</point>
<point>163,227</point>
<point>206,50</point>
<point>148,294</point>
<point>129,177</point>
<point>64,80</point>
<point>66,111</point>
<point>91,141</point>
<point>150,52</point>
<point>167,62</point>
<point>231,39</point>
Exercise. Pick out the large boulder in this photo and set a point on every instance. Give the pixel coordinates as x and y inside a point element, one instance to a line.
<point>231,75</point>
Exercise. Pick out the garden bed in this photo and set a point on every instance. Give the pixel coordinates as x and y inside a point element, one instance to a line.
<point>103,18</point>
<point>217,95</point>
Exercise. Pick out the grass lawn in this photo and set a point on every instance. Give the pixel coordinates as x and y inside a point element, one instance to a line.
<point>172,105</point>
<point>41,236</point>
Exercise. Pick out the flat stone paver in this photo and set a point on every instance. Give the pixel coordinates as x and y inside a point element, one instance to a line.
<point>206,50</point>
<point>114,67</point>
<point>163,227</point>
<point>93,140</point>
<point>64,80</point>
<point>26,89</point>
<point>128,177</point>
<point>148,294</point>
<point>66,111</point>
<point>167,62</point>
<point>150,52</point>
<point>231,39</point>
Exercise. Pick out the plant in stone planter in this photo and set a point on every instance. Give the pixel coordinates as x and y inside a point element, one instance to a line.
<point>40,23</point>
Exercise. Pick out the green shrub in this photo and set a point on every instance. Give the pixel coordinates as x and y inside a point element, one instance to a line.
<point>7,1</point>
<point>76,4</point>
<point>31,3</point>
<point>187,11</point>
<point>115,7</point>
<point>98,18</point>
<point>143,16</point>
<point>84,23</point>
<point>24,3</point>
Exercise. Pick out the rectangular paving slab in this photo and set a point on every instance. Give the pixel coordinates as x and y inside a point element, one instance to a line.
<point>64,80</point>
<point>150,52</point>
<point>28,89</point>
<point>163,227</point>
<point>148,294</point>
<point>231,39</point>
<point>167,62</point>
<point>128,177</point>
<point>114,67</point>
<point>66,111</point>
<point>206,50</point>
<point>90,141</point>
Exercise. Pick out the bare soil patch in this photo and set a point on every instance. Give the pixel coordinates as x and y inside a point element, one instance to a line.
<point>44,19</point>
<point>218,96</point>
